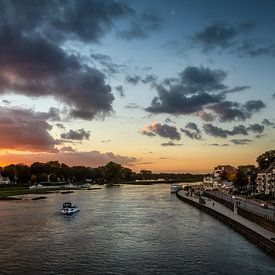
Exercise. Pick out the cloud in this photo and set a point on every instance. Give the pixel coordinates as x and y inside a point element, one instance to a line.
<point>91,158</point>
<point>26,130</point>
<point>273,95</point>
<point>253,48</point>
<point>215,35</point>
<point>170,143</point>
<point>200,79</point>
<point>141,26</point>
<point>240,141</point>
<point>107,64</point>
<point>256,128</point>
<point>215,131</point>
<point>162,130</point>
<point>120,90</point>
<point>35,60</point>
<point>76,135</point>
<point>219,145</point>
<point>192,131</point>
<point>132,106</point>
<point>220,35</point>
<point>175,102</point>
<point>60,125</point>
<point>67,149</point>
<point>208,117</point>
<point>230,111</point>
<point>267,122</point>
<point>136,79</point>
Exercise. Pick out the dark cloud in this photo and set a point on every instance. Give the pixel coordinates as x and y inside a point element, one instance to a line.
<point>253,48</point>
<point>6,101</point>
<point>26,130</point>
<point>132,106</point>
<point>220,35</point>
<point>34,61</point>
<point>168,120</point>
<point>256,128</point>
<point>254,105</point>
<point>120,90</point>
<point>162,130</point>
<point>273,95</point>
<point>133,79</point>
<point>200,79</point>
<point>208,117</point>
<point>60,125</point>
<point>109,67</point>
<point>230,111</point>
<point>170,143</point>
<point>136,79</point>
<point>76,134</point>
<point>62,20</point>
<point>215,35</point>
<point>235,89</point>
<point>67,149</point>
<point>106,141</point>
<point>33,66</point>
<point>219,145</point>
<point>215,131</point>
<point>267,122</point>
<point>141,26</point>
<point>240,141</point>
<point>174,102</point>
<point>192,131</point>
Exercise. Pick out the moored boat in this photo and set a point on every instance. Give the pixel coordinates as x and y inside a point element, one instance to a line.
<point>69,208</point>
<point>175,188</point>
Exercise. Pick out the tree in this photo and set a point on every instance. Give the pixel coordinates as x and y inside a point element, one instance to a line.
<point>241,179</point>
<point>113,171</point>
<point>265,159</point>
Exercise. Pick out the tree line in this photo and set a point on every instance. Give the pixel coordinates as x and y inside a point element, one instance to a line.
<point>55,172</point>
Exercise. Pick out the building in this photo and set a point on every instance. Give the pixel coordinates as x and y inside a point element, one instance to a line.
<point>216,181</point>
<point>4,180</point>
<point>266,180</point>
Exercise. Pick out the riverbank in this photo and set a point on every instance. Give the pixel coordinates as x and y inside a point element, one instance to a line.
<point>255,233</point>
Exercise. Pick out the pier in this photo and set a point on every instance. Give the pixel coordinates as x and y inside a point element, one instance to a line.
<point>252,231</point>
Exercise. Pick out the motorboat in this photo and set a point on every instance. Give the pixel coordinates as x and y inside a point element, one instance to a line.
<point>175,187</point>
<point>69,208</point>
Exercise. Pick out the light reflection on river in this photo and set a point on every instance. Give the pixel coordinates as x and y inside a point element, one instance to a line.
<point>122,230</point>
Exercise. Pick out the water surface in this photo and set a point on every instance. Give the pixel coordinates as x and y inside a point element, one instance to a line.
<point>122,230</point>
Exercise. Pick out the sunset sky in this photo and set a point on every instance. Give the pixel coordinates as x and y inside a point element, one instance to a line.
<point>171,86</point>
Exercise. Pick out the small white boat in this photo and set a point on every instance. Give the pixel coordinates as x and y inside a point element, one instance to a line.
<point>175,188</point>
<point>69,208</point>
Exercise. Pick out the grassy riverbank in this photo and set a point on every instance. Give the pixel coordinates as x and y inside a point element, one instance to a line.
<point>8,192</point>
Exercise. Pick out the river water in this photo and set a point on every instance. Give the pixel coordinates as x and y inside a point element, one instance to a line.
<point>122,230</point>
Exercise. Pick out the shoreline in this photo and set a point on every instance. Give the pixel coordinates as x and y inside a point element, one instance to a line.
<point>260,237</point>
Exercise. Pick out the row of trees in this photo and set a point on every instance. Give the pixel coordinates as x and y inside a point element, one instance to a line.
<point>53,171</point>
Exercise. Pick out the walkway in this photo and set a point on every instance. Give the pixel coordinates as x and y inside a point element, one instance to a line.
<point>232,215</point>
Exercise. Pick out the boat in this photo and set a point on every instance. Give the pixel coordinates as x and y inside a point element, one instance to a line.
<point>175,188</point>
<point>69,208</point>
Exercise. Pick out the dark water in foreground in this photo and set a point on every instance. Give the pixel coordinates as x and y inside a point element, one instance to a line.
<point>123,230</point>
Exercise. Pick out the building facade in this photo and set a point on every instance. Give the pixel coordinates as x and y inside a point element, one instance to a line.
<point>266,180</point>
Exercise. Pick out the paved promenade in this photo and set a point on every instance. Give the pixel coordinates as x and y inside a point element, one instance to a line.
<point>231,214</point>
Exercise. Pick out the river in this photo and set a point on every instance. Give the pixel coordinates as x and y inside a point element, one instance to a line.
<point>122,230</point>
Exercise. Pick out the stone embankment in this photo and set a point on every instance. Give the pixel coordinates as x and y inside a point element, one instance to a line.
<point>255,233</point>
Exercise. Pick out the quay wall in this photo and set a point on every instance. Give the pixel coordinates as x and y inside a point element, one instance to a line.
<point>256,238</point>
<point>262,221</point>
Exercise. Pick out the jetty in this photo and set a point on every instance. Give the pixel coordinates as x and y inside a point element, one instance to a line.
<point>262,237</point>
